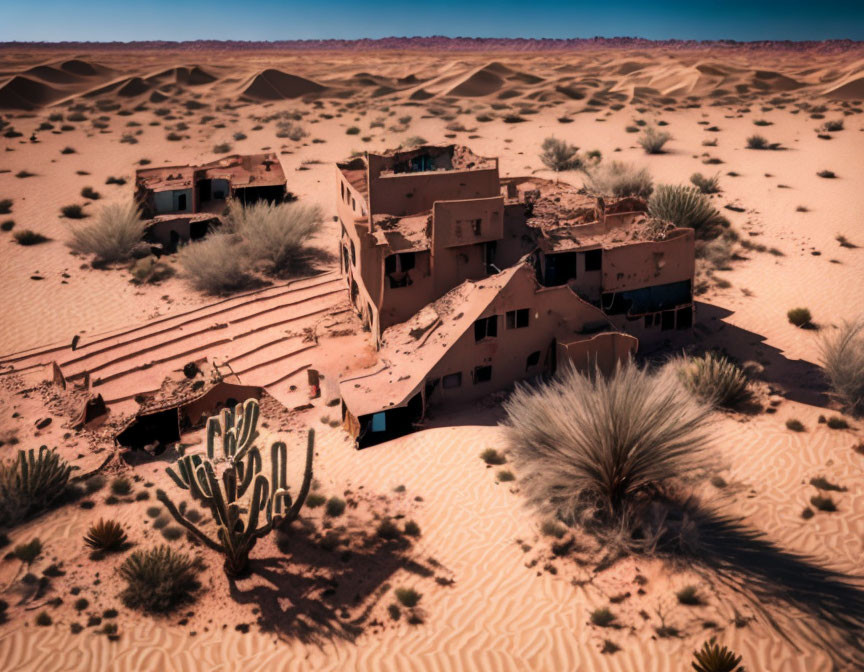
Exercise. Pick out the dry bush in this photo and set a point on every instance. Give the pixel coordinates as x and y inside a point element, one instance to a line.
<point>620,179</point>
<point>588,447</point>
<point>30,483</point>
<point>685,207</point>
<point>558,155</point>
<point>275,236</point>
<point>216,264</point>
<point>159,579</point>
<point>842,360</point>
<point>706,185</point>
<point>113,236</point>
<point>713,378</point>
<point>652,140</point>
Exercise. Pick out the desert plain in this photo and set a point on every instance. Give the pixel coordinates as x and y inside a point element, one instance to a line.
<point>496,592</point>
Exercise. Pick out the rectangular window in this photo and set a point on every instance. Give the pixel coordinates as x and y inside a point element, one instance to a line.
<point>489,250</point>
<point>594,260</point>
<point>181,202</point>
<point>379,422</point>
<point>396,266</point>
<point>532,360</point>
<point>518,319</point>
<point>476,225</point>
<point>668,320</point>
<point>482,374</point>
<point>452,380</point>
<point>486,327</point>
<point>685,318</point>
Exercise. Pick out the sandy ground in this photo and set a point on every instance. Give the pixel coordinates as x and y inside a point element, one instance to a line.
<point>507,608</point>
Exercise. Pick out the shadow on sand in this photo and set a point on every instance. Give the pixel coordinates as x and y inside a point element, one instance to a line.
<point>316,595</point>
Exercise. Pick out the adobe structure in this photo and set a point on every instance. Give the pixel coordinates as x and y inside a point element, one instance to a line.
<point>185,201</point>
<point>469,282</point>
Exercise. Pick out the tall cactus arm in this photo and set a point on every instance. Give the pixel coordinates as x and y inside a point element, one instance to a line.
<point>307,479</point>
<point>248,470</point>
<point>214,429</point>
<point>180,518</point>
<point>247,426</point>
<point>219,506</point>
<point>260,498</point>
<point>178,480</point>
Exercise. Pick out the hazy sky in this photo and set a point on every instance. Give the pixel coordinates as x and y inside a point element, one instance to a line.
<point>125,20</point>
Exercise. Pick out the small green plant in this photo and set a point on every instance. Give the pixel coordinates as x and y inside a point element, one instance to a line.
<point>105,536</point>
<point>715,658</point>
<point>602,617</point>
<point>159,579</point>
<point>408,597</point>
<point>800,317</point>
<point>794,425</point>
<point>492,457</point>
<point>335,507</point>
<point>689,595</point>
<point>27,237</point>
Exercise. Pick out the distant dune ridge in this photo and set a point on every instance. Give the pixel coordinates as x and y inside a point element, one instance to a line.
<point>834,70</point>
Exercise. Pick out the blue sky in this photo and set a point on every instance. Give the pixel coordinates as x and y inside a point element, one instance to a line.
<point>103,20</point>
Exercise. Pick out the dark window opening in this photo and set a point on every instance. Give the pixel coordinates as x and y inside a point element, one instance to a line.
<point>518,319</point>
<point>353,254</point>
<point>668,320</point>
<point>482,374</point>
<point>345,258</point>
<point>342,185</point>
<point>486,327</point>
<point>431,386</point>
<point>489,250</point>
<point>649,320</point>
<point>452,380</point>
<point>396,266</point>
<point>559,268</point>
<point>476,225</point>
<point>594,260</point>
<point>685,317</point>
<point>181,202</point>
<point>533,359</point>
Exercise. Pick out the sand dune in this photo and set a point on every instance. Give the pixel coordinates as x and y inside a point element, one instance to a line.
<point>272,84</point>
<point>24,93</point>
<point>83,68</point>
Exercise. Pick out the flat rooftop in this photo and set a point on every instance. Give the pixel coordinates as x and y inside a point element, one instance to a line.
<point>242,170</point>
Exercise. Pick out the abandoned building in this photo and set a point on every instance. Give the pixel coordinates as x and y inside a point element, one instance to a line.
<point>469,282</point>
<point>184,202</point>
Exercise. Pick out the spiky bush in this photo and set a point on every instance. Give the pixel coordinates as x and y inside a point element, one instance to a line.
<point>706,185</point>
<point>800,317</point>
<point>590,446</point>
<point>159,579</point>
<point>684,207</point>
<point>275,235</point>
<point>30,483</point>
<point>619,179</point>
<point>216,264</point>
<point>105,536</point>
<point>652,140</point>
<point>114,234</point>
<point>757,141</point>
<point>842,360</point>
<point>715,658</point>
<point>559,155</point>
<point>713,378</point>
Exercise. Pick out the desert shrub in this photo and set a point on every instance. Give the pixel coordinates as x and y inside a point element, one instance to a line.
<point>44,619</point>
<point>105,536</point>
<point>159,579</point>
<point>513,119</point>
<point>715,658</point>
<point>706,185</point>
<point>222,148</point>
<point>761,122</point>
<point>388,530</point>
<point>757,141</point>
<point>67,150</point>
<point>602,617</point>
<point>823,503</point>
<point>290,130</point>
<point>92,194</point>
<point>408,597</point>
<point>505,476</point>
<point>684,207</point>
<point>836,422</point>
<point>833,125</point>
<point>120,181</point>
<point>652,140</point>
<point>795,425</point>
<point>411,529</point>
<point>81,604</point>
<point>176,137</point>
<point>27,237</point>
<point>113,235</point>
<point>275,235</point>
<point>552,528</point>
<point>492,456</point>
<point>30,483</point>
<point>239,136</point>
<point>215,264</point>
<point>121,486</point>
<point>335,506</point>
<point>558,155</point>
<point>352,130</point>
<point>827,174</point>
<point>592,445</point>
<point>714,379</point>
<point>7,225</point>
<point>27,553</point>
<point>73,211</point>
<point>842,360</point>
<point>5,206</point>
<point>149,270</point>
<point>619,179</point>
<point>315,500</point>
<point>689,595</point>
<point>800,317</point>
<point>414,141</point>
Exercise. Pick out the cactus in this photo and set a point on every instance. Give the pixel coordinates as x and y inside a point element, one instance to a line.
<point>31,483</point>
<point>221,494</point>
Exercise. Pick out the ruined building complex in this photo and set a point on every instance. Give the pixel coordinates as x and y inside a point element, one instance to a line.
<point>469,282</point>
